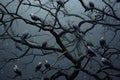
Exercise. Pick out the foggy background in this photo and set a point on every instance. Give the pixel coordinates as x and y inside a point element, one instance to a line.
<point>8,50</point>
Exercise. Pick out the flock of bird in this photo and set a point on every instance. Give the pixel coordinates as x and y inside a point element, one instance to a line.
<point>61,4</point>
<point>89,50</point>
<point>18,72</point>
<point>39,65</point>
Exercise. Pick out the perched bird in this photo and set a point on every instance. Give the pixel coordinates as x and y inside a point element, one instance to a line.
<point>38,67</point>
<point>91,4</point>
<point>17,46</point>
<point>35,18</point>
<point>17,71</point>
<point>117,0</point>
<point>76,28</point>
<point>102,42</point>
<point>24,35</point>
<point>105,61</point>
<point>59,2</point>
<point>90,52</point>
<point>44,44</point>
<point>47,65</point>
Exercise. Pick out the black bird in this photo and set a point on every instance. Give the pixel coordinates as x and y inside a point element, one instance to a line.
<point>76,28</point>
<point>44,44</point>
<point>59,2</point>
<point>47,65</point>
<point>38,67</point>
<point>17,71</point>
<point>117,0</point>
<point>91,4</point>
<point>105,61</point>
<point>90,52</point>
<point>24,35</point>
<point>102,42</point>
<point>35,18</point>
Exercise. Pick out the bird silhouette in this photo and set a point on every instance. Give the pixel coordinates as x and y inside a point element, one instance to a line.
<point>35,18</point>
<point>47,65</point>
<point>44,44</point>
<point>25,35</point>
<point>91,4</point>
<point>105,61</point>
<point>59,2</point>
<point>102,42</point>
<point>90,52</point>
<point>38,67</point>
<point>17,71</point>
